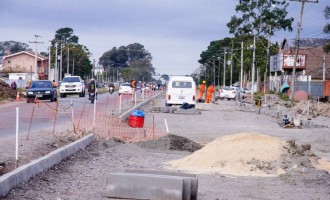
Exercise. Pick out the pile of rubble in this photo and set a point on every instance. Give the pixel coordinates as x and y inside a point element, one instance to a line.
<point>6,92</point>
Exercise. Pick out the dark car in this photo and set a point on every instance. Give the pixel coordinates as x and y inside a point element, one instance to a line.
<point>41,89</point>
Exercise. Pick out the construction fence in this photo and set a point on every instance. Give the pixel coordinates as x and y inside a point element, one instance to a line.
<point>103,122</point>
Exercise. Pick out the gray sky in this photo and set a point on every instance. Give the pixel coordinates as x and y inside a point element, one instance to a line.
<point>175,32</point>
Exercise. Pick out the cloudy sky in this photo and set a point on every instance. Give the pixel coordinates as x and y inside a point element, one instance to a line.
<point>175,32</point>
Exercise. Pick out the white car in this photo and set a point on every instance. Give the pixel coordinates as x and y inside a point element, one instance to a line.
<point>229,93</point>
<point>72,85</point>
<point>125,88</point>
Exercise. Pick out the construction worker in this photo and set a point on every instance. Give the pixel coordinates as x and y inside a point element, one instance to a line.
<point>202,88</point>
<point>28,85</point>
<point>209,93</point>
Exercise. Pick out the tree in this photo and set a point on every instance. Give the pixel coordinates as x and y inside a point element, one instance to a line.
<point>326,28</point>
<point>78,54</point>
<point>216,50</point>
<point>132,60</point>
<point>258,15</point>
<point>13,47</point>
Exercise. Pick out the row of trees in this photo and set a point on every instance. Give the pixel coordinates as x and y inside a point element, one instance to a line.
<point>254,18</point>
<point>132,61</point>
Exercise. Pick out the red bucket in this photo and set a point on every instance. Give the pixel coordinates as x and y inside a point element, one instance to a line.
<point>135,121</point>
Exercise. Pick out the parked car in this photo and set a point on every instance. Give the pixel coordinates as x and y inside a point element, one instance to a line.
<point>41,89</point>
<point>241,91</point>
<point>247,91</point>
<point>125,88</point>
<point>229,92</point>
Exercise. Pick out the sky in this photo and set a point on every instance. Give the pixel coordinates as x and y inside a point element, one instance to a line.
<point>175,32</point>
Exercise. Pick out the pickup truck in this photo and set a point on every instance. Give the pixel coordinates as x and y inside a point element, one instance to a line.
<point>72,85</point>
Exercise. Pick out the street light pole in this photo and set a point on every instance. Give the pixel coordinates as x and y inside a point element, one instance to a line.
<point>253,62</point>
<point>36,56</point>
<point>242,54</point>
<point>224,68</point>
<point>67,62</point>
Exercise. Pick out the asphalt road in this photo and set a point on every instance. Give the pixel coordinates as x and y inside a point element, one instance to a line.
<point>43,114</point>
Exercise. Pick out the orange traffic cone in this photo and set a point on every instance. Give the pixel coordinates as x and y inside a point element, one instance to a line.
<point>17,96</point>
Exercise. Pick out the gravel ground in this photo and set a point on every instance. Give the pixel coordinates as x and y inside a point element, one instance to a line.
<point>82,176</point>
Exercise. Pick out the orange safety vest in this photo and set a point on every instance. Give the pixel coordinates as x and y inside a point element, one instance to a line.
<point>133,84</point>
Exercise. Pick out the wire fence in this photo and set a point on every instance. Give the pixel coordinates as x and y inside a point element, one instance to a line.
<point>82,120</point>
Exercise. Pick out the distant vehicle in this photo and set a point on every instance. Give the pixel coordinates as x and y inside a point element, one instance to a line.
<point>41,89</point>
<point>228,92</point>
<point>241,92</point>
<point>147,87</point>
<point>247,91</point>
<point>125,88</point>
<point>180,90</point>
<point>138,86</point>
<point>72,85</point>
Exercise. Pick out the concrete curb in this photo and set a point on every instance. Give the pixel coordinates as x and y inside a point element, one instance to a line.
<point>24,173</point>
<point>124,116</point>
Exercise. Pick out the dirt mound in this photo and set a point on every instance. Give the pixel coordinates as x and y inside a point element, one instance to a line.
<point>6,92</point>
<point>247,154</point>
<point>315,108</point>
<point>171,142</point>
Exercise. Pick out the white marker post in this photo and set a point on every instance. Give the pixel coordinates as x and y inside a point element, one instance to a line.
<point>17,120</point>
<point>119,103</point>
<point>94,112</point>
<point>167,131</point>
<point>72,116</point>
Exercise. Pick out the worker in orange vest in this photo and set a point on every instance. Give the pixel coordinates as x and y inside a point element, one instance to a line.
<point>202,88</point>
<point>209,93</point>
<point>28,84</point>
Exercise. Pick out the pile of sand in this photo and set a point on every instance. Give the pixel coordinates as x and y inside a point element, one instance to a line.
<point>244,154</point>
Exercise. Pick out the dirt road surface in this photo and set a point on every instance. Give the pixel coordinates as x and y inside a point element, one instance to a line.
<point>82,176</point>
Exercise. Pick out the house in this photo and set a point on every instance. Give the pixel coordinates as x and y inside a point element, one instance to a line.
<point>312,62</point>
<point>21,66</point>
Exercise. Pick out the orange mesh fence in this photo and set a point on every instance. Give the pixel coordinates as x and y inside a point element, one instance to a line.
<point>105,124</point>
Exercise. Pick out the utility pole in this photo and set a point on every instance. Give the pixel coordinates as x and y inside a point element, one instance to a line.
<point>67,62</point>
<point>242,44</point>
<point>36,56</point>
<point>214,71</point>
<point>61,59</point>
<point>267,59</point>
<point>253,63</point>
<point>219,73</point>
<point>56,66</point>
<point>323,67</point>
<point>49,52</point>
<point>298,41</point>
<point>224,68</point>
<point>231,64</point>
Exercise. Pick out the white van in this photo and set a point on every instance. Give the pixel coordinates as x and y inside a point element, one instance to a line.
<point>180,90</point>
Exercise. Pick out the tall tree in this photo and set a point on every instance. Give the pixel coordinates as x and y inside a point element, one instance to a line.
<point>326,28</point>
<point>78,55</point>
<point>258,15</point>
<point>132,60</point>
<point>13,47</point>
